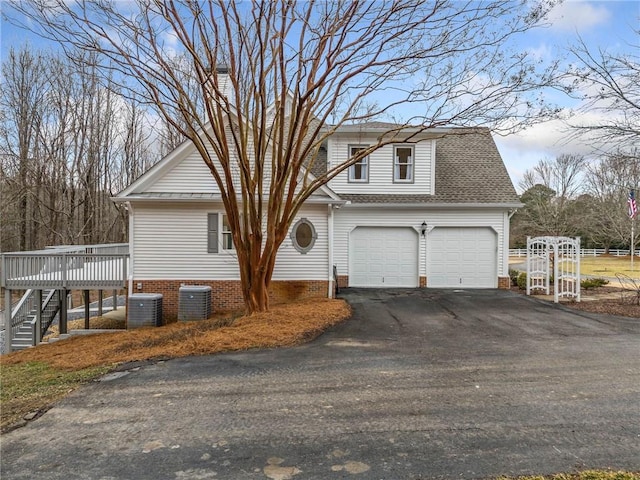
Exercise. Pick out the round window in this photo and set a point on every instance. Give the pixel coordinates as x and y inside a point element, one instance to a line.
<point>303,235</point>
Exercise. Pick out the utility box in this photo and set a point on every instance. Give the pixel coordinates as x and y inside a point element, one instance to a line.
<point>144,310</point>
<point>194,303</point>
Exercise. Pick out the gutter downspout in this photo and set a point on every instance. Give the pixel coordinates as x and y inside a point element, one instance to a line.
<point>330,293</point>
<point>131,250</point>
<point>507,234</point>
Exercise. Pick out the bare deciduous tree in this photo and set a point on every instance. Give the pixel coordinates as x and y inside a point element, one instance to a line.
<point>608,84</point>
<point>297,71</point>
<point>65,144</point>
<point>24,85</point>
<point>549,190</point>
<point>608,181</point>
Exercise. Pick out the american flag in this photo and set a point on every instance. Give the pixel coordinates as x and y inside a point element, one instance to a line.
<point>633,206</point>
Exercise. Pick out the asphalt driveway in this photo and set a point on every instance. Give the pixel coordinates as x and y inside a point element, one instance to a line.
<point>418,384</point>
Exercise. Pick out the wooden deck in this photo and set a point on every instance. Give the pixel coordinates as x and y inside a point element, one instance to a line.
<point>47,276</point>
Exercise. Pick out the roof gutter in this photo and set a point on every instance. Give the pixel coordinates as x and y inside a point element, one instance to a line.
<point>435,205</point>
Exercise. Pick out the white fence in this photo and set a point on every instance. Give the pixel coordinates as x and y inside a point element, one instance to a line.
<point>584,252</point>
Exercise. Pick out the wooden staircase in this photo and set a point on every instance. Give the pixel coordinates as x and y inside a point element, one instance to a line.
<point>24,318</point>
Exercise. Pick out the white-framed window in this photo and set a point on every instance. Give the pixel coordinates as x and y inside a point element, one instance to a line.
<point>219,236</point>
<point>359,171</point>
<point>403,163</point>
<point>303,235</point>
<point>227,236</point>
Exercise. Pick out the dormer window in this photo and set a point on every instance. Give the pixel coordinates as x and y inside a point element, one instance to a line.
<point>403,163</point>
<point>359,171</point>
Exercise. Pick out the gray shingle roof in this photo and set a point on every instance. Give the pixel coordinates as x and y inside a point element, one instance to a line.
<point>469,169</point>
<point>319,166</point>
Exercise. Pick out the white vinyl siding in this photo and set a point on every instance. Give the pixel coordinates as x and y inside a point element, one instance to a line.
<point>171,242</point>
<point>188,176</point>
<point>347,219</point>
<point>381,168</point>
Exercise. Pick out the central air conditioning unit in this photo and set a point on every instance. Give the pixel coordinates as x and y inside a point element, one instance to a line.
<point>194,303</point>
<point>144,310</point>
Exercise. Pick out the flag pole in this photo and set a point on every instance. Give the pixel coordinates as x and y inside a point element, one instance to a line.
<point>633,236</point>
<point>633,213</point>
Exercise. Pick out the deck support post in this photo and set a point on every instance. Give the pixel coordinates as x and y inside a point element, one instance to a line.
<point>8,331</point>
<point>37,334</point>
<point>115,300</point>
<point>63,310</point>
<point>86,309</point>
<point>100,298</point>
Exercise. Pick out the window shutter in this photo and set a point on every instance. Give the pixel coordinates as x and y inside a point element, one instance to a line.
<point>212,233</point>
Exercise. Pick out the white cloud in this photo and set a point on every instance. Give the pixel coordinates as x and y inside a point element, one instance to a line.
<point>578,16</point>
<point>541,52</point>
<point>522,150</point>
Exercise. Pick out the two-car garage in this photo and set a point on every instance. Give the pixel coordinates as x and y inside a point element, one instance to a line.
<point>457,257</point>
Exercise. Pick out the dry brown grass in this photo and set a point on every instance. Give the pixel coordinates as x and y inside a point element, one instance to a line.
<point>283,325</point>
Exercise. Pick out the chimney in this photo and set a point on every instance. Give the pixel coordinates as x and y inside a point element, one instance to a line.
<point>224,83</point>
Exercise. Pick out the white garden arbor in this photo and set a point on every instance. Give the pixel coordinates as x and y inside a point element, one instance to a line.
<point>556,258</point>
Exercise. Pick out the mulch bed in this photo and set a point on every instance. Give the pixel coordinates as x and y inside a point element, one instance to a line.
<point>608,306</point>
<point>599,300</point>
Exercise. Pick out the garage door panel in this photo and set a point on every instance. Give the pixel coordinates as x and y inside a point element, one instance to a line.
<point>383,257</point>
<point>462,257</point>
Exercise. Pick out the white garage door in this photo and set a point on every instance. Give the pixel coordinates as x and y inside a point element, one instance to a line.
<point>462,257</point>
<point>383,257</point>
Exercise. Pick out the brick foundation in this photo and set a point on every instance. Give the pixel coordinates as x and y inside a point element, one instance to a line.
<point>226,295</point>
<point>343,281</point>
<point>504,283</point>
<point>423,282</point>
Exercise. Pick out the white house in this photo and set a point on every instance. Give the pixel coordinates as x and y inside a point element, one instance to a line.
<point>432,212</point>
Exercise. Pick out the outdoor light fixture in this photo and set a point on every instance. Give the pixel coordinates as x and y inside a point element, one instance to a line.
<point>423,228</point>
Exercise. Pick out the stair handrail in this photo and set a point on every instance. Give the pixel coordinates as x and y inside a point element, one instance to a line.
<point>46,322</point>
<point>20,314</point>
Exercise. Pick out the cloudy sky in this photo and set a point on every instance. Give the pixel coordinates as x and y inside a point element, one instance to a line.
<point>602,25</point>
<point>607,26</point>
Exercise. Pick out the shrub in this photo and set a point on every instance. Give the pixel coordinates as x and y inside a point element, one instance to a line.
<point>588,283</point>
<point>522,281</point>
<point>514,274</point>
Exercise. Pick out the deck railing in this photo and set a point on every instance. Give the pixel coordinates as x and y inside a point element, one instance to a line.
<point>90,266</point>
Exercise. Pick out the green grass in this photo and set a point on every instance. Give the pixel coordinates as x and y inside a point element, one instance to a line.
<point>609,266</point>
<point>33,386</point>
<point>602,266</point>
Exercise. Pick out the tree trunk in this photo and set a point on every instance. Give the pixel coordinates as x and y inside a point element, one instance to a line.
<point>256,297</point>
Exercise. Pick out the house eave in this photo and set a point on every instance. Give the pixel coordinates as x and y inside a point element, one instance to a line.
<point>208,198</point>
